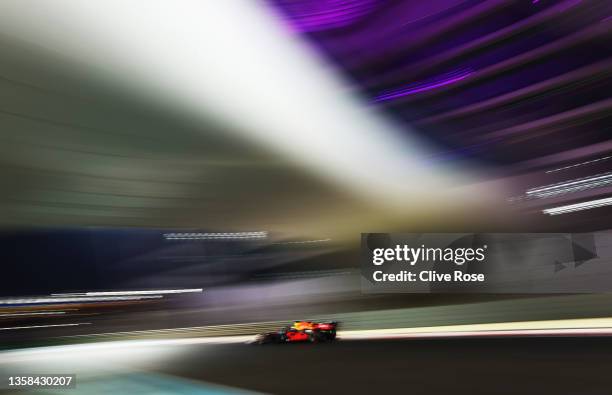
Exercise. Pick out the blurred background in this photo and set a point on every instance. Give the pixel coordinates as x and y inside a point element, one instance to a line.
<point>179,176</point>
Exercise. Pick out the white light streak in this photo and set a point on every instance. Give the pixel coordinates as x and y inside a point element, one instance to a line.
<point>55,300</point>
<point>216,236</point>
<point>579,164</point>
<point>283,84</point>
<point>496,333</point>
<point>570,208</point>
<point>569,327</point>
<point>42,326</point>
<point>571,186</point>
<point>128,293</point>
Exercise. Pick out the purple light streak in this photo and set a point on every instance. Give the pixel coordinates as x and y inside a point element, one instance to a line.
<point>426,86</point>
<point>315,15</point>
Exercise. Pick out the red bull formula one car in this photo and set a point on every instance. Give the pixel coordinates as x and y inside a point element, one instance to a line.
<point>301,331</point>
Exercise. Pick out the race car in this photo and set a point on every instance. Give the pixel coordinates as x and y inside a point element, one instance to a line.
<point>301,331</point>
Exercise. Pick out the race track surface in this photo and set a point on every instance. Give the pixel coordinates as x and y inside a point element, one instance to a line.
<point>437,366</point>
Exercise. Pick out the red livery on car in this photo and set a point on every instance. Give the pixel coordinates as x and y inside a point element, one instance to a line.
<point>301,331</point>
